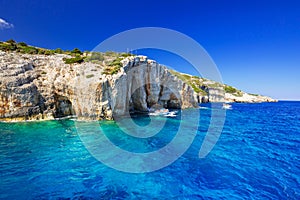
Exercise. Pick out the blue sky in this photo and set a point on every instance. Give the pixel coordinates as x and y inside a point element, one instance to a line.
<point>255,44</point>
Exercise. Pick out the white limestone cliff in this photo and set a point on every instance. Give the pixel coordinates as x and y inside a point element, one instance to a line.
<point>40,87</point>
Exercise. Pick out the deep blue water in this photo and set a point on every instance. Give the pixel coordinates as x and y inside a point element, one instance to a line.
<point>256,157</point>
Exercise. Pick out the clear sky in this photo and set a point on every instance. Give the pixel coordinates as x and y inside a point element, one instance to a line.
<point>255,44</point>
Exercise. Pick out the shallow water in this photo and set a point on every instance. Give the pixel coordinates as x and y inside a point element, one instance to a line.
<point>257,156</point>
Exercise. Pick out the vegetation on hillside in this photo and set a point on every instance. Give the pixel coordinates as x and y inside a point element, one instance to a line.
<point>113,59</point>
<point>194,81</point>
<point>76,59</point>
<point>95,57</point>
<point>112,64</point>
<point>90,76</point>
<point>115,65</point>
<point>199,84</point>
<point>22,47</point>
<point>233,91</point>
<point>230,89</point>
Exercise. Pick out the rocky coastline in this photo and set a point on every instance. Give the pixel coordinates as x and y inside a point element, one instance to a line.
<point>44,87</point>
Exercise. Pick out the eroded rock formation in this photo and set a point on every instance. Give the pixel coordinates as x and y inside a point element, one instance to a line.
<point>41,87</point>
<point>37,87</point>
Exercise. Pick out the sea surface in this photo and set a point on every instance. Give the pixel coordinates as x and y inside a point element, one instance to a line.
<point>256,157</point>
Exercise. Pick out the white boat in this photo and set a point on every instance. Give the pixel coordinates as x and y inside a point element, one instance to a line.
<point>226,106</point>
<point>171,114</point>
<point>154,114</point>
<point>164,112</point>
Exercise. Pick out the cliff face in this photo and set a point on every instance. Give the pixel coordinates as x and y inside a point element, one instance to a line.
<point>212,91</point>
<point>40,87</point>
<point>36,87</point>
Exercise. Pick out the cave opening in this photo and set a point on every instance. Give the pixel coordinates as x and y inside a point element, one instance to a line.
<point>63,107</point>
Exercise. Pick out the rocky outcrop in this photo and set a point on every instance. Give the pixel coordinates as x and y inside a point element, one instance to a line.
<point>39,87</point>
<point>247,98</point>
<point>212,91</point>
<point>218,94</point>
<point>42,87</point>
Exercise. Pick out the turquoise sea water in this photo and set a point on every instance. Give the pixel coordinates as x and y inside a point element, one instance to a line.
<point>257,157</point>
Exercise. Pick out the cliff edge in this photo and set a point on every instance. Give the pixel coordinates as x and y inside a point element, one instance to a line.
<point>212,91</point>
<point>42,87</point>
<point>39,87</point>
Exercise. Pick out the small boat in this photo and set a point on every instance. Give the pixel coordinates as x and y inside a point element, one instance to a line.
<point>171,114</point>
<point>154,114</point>
<point>161,111</point>
<point>226,106</point>
<point>164,112</point>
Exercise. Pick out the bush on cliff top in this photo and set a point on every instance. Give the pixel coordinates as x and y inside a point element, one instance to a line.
<point>193,81</point>
<point>111,70</point>
<point>233,91</point>
<point>116,62</point>
<point>77,59</point>
<point>229,89</point>
<point>23,44</point>
<point>90,76</point>
<point>114,66</point>
<point>28,50</point>
<point>58,50</point>
<point>22,47</point>
<point>8,46</point>
<point>76,52</point>
<point>95,57</point>
<point>11,41</point>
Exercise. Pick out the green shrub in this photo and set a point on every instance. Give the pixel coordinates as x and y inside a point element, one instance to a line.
<point>113,67</point>
<point>77,59</point>
<point>116,62</point>
<point>111,54</point>
<point>41,51</point>
<point>8,46</point>
<point>229,89</point>
<point>68,52</point>
<point>22,44</point>
<point>196,89</point>
<point>238,94</point>
<point>126,55</point>
<point>48,52</point>
<point>112,70</point>
<point>90,76</point>
<point>193,81</point>
<point>28,50</point>
<point>76,52</point>
<point>22,47</point>
<point>11,41</point>
<point>215,85</point>
<point>95,56</point>
<point>58,50</point>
